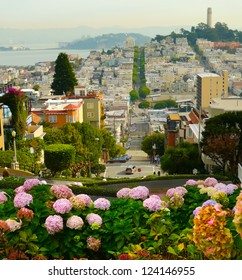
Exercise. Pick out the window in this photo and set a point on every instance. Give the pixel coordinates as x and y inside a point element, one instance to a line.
<point>90,105</point>
<point>70,119</point>
<point>52,118</point>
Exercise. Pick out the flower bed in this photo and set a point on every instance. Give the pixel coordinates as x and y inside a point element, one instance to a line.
<point>200,220</point>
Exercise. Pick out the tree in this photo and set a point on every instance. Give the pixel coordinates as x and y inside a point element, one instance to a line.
<point>144,104</point>
<point>59,157</point>
<point>222,141</point>
<point>109,143</point>
<point>165,104</point>
<point>53,136</point>
<point>16,101</point>
<point>181,159</point>
<point>144,91</point>
<point>147,144</point>
<point>134,95</point>
<point>64,76</point>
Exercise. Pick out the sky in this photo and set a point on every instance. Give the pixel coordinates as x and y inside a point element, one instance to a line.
<point>32,14</point>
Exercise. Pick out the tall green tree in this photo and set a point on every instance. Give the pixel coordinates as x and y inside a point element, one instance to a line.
<point>64,76</point>
<point>157,139</point>
<point>134,95</point>
<point>181,159</point>
<point>144,91</point>
<point>222,141</point>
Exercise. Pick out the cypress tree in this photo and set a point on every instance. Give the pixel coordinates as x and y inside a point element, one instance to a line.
<point>64,76</point>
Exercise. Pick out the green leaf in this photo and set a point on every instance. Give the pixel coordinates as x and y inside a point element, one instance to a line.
<point>171,250</point>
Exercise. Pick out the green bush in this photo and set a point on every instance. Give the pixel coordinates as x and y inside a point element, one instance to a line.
<point>59,157</point>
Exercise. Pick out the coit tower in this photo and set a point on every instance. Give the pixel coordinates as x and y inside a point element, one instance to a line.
<point>209,17</point>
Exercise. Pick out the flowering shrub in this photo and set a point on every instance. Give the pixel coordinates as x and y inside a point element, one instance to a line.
<point>200,220</point>
<point>15,99</point>
<point>210,233</point>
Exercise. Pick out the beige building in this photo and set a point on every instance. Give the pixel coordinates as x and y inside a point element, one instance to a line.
<point>209,86</point>
<point>220,106</point>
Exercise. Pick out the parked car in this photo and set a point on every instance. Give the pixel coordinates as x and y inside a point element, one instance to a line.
<point>130,169</point>
<point>127,156</point>
<point>117,159</point>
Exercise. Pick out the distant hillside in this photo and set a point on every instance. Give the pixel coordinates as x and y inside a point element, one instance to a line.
<point>107,41</point>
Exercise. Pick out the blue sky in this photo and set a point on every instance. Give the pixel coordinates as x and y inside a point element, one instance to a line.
<point>125,13</point>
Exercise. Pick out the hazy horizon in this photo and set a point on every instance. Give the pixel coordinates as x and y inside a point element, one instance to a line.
<point>24,22</point>
<point>123,13</point>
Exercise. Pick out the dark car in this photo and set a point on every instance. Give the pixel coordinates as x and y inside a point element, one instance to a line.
<point>117,159</point>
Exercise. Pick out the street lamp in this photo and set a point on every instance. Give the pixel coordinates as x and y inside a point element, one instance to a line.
<point>15,164</point>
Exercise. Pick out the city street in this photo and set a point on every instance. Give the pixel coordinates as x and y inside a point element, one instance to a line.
<point>139,160</point>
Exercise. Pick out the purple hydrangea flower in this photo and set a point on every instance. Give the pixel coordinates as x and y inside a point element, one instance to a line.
<point>28,184</point>
<point>152,203</point>
<point>123,193</point>
<point>139,192</point>
<point>22,199</point>
<point>54,223</point>
<point>231,188</point>
<point>209,202</point>
<point>196,210</point>
<point>191,182</point>
<point>210,182</point>
<point>61,191</point>
<point>102,203</point>
<point>19,189</point>
<point>62,206</point>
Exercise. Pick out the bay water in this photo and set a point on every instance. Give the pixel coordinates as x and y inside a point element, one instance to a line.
<point>32,56</point>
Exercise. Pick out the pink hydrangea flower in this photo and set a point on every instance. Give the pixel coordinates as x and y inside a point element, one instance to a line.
<point>22,199</point>
<point>94,219</point>
<point>74,222</point>
<point>54,223</point>
<point>191,182</point>
<point>3,197</point>
<point>13,225</point>
<point>139,192</point>
<point>102,203</point>
<point>180,191</point>
<point>170,192</point>
<point>210,182</point>
<point>152,203</point>
<point>29,183</point>
<point>231,188</point>
<point>19,189</point>
<point>86,198</point>
<point>123,193</point>
<point>155,196</point>
<point>62,206</point>
<point>61,191</point>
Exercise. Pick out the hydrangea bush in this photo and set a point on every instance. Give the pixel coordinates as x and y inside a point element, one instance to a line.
<point>200,220</point>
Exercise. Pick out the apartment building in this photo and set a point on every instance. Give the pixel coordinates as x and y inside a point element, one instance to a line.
<point>61,111</point>
<point>220,106</point>
<point>93,107</point>
<point>210,85</point>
